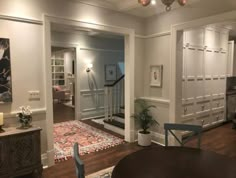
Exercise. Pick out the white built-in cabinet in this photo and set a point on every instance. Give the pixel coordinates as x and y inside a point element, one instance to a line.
<point>205,55</point>
<point>58,69</point>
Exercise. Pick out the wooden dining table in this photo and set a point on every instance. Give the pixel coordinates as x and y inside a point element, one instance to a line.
<point>175,162</point>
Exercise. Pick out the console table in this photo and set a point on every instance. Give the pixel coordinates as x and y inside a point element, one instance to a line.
<point>20,153</point>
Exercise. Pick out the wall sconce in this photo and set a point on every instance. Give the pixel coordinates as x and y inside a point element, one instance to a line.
<point>89,67</point>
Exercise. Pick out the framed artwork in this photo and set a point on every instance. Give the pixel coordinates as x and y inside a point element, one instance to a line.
<point>110,72</point>
<point>156,75</point>
<point>5,71</point>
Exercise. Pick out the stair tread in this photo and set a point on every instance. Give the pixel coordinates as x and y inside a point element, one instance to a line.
<point>121,115</point>
<point>115,123</point>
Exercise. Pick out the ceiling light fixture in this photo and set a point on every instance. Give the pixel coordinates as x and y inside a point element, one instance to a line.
<point>144,2</point>
<point>168,3</point>
<point>153,2</point>
<point>182,2</point>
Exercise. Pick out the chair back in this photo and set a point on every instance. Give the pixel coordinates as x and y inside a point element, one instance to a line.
<point>79,165</point>
<point>195,130</point>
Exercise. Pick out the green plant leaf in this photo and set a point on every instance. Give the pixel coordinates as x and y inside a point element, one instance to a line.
<point>143,115</point>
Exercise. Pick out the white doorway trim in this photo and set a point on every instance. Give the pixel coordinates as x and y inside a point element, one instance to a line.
<point>77,89</point>
<point>176,66</point>
<point>129,35</point>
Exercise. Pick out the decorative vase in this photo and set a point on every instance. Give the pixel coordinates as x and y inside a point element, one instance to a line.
<point>25,123</point>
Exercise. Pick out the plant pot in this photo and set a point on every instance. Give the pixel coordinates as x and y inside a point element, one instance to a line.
<point>144,139</point>
<point>25,126</point>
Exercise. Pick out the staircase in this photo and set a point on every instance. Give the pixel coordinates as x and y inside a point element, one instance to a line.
<point>114,109</point>
<point>116,123</point>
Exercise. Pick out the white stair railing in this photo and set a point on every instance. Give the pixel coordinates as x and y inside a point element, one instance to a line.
<point>108,103</point>
<point>108,100</point>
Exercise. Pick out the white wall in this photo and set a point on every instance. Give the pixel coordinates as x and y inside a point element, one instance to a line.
<point>26,58</point>
<point>26,68</point>
<point>68,58</point>
<point>157,53</point>
<point>139,66</point>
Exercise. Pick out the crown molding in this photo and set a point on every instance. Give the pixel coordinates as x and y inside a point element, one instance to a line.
<point>21,19</point>
<point>167,33</point>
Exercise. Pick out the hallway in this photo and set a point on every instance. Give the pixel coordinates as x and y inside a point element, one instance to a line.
<point>62,113</point>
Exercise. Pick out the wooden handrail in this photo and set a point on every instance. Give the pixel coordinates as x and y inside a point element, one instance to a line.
<point>115,82</point>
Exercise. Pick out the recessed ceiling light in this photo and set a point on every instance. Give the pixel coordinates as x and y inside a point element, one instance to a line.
<point>153,2</point>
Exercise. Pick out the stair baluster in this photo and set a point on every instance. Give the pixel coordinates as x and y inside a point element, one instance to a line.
<point>108,100</point>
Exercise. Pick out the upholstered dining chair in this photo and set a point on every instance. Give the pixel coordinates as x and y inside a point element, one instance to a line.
<point>79,165</point>
<point>195,130</point>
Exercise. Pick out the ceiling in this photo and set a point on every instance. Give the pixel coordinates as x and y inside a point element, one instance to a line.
<point>133,7</point>
<point>231,26</point>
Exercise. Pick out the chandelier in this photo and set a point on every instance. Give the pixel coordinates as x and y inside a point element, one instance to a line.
<point>168,3</point>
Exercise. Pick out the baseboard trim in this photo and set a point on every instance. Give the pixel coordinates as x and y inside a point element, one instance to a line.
<point>114,129</point>
<point>153,141</point>
<point>157,138</point>
<point>94,117</point>
<point>50,158</point>
<point>44,159</point>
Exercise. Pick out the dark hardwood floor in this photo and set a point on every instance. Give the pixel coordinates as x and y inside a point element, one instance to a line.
<point>62,113</point>
<point>221,140</point>
<point>93,161</point>
<point>101,127</point>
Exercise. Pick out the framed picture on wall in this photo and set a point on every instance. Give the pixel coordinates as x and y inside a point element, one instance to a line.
<point>110,72</point>
<point>5,71</point>
<point>156,75</point>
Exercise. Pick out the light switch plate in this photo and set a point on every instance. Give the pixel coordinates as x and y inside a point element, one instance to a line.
<point>34,95</point>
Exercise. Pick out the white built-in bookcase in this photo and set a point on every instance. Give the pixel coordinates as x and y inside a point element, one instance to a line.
<point>205,60</point>
<point>58,69</point>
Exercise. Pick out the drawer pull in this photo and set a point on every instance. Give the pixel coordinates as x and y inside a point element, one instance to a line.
<point>203,107</point>
<point>185,110</point>
<point>202,122</point>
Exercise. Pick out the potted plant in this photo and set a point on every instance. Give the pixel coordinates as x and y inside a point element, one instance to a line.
<point>145,120</point>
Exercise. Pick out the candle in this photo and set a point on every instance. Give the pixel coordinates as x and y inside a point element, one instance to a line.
<point>1,118</point>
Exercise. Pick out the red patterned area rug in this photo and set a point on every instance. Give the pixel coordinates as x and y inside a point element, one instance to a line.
<point>90,139</point>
